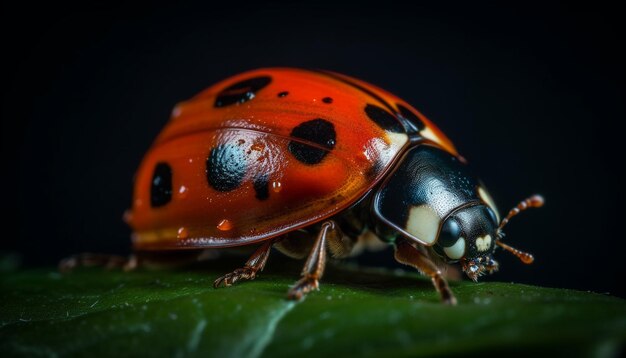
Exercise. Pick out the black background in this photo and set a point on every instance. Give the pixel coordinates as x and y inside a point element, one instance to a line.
<point>532,95</point>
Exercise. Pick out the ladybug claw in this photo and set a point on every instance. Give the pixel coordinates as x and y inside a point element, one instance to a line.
<point>246,273</point>
<point>302,287</point>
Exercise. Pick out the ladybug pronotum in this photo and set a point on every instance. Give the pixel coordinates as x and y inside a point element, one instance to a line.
<point>309,162</point>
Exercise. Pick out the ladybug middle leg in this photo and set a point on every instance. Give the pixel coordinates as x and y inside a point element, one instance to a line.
<point>409,255</point>
<point>313,269</point>
<point>255,263</point>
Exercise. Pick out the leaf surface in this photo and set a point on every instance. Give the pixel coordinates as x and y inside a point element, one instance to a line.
<point>357,312</point>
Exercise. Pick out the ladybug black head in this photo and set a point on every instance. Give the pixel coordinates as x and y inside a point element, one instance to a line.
<point>469,235</point>
<point>476,262</point>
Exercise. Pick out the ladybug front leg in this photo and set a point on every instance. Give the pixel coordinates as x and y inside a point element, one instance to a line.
<point>315,263</point>
<point>409,255</point>
<point>255,263</point>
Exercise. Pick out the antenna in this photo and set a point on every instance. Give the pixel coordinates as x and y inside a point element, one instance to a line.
<point>535,201</point>
<point>525,257</point>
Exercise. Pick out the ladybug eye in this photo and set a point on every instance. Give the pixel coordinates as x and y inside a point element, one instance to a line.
<point>450,233</point>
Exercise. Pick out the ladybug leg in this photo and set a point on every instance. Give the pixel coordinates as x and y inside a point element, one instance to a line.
<point>409,255</point>
<point>101,260</point>
<point>255,263</point>
<point>150,260</point>
<point>315,263</point>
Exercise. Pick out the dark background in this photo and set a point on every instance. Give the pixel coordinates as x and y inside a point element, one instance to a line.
<point>532,95</point>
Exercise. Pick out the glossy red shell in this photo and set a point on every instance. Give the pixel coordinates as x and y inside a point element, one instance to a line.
<point>257,131</point>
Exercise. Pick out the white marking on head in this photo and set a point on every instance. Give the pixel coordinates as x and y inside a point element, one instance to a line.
<point>457,250</point>
<point>484,195</point>
<point>423,223</point>
<point>483,243</point>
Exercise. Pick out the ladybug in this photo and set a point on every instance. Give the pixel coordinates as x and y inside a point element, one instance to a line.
<point>311,162</point>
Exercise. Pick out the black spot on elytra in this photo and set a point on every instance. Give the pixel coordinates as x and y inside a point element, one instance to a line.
<point>226,167</point>
<point>283,94</point>
<point>241,91</point>
<point>383,119</point>
<point>411,117</point>
<point>317,131</point>
<point>327,100</point>
<point>161,187</point>
<point>359,87</point>
<point>261,187</point>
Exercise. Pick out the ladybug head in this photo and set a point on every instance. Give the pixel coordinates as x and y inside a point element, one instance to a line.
<point>471,234</point>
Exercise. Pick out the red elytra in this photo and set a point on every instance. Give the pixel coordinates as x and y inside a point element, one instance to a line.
<point>274,181</point>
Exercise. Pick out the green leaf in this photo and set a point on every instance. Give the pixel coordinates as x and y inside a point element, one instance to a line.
<point>357,312</point>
